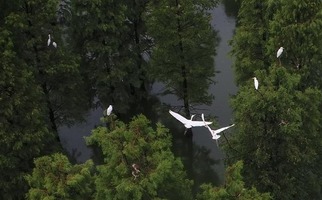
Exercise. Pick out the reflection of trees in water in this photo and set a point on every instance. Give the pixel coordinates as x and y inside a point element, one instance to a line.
<point>196,159</point>
<point>231,7</point>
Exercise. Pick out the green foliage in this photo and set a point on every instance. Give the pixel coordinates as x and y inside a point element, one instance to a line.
<point>112,43</point>
<point>23,131</point>
<point>184,48</point>
<point>161,175</point>
<point>54,177</point>
<point>250,39</point>
<point>296,26</point>
<point>278,135</point>
<point>234,187</point>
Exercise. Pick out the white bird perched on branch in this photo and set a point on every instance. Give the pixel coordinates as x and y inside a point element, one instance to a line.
<point>108,111</point>
<point>215,133</point>
<point>188,123</point>
<point>49,40</point>
<point>279,52</point>
<point>255,83</point>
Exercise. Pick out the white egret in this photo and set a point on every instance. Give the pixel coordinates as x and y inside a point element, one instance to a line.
<point>215,133</point>
<point>55,44</point>
<point>49,40</point>
<point>256,83</point>
<point>279,52</point>
<point>188,123</point>
<point>108,111</point>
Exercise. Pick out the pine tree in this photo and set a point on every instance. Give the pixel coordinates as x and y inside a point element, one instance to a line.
<point>113,43</point>
<point>138,162</point>
<point>278,135</point>
<point>184,47</point>
<point>23,130</point>
<point>54,177</point>
<point>233,188</point>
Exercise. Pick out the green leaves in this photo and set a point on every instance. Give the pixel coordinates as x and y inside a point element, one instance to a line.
<point>161,174</point>
<point>55,177</point>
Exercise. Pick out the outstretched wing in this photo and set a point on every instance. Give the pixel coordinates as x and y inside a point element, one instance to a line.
<point>178,117</point>
<point>222,129</point>
<point>199,123</point>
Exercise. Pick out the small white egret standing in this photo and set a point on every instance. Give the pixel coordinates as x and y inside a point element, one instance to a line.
<point>188,123</point>
<point>49,40</point>
<point>255,83</point>
<point>215,133</point>
<point>109,110</point>
<point>55,44</point>
<point>279,52</point>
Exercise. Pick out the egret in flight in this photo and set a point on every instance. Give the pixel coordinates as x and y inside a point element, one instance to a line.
<point>215,133</point>
<point>108,111</point>
<point>256,83</point>
<point>188,123</point>
<point>279,52</point>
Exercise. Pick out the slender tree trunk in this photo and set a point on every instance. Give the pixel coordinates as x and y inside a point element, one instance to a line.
<point>183,69</point>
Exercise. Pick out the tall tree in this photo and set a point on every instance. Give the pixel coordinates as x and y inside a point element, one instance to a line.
<point>184,48</point>
<point>233,188</point>
<point>296,26</point>
<point>54,177</point>
<point>23,130</point>
<point>138,162</point>
<point>278,135</point>
<point>248,44</point>
<point>113,43</point>
<point>54,69</point>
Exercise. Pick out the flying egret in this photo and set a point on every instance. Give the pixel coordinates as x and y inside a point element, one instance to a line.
<point>108,111</point>
<point>55,44</point>
<point>256,83</point>
<point>215,133</point>
<point>188,123</point>
<point>279,52</point>
<point>49,40</point>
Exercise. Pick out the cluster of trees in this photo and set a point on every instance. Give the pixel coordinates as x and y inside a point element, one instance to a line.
<point>138,164</point>
<point>106,50</point>
<point>112,51</point>
<point>278,134</point>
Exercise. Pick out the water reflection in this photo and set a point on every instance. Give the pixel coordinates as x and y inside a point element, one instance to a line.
<point>202,158</point>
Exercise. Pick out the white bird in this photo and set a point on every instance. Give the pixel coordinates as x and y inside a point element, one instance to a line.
<point>55,44</point>
<point>256,83</point>
<point>279,52</point>
<point>215,133</point>
<point>109,110</point>
<point>49,40</point>
<point>188,123</point>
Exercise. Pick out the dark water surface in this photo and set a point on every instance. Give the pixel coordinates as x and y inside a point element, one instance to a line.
<point>73,137</point>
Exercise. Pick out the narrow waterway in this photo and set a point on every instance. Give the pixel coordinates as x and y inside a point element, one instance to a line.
<point>73,137</point>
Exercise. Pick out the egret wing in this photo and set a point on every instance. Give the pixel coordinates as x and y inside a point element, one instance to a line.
<point>222,129</point>
<point>179,117</point>
<point>199,123</point>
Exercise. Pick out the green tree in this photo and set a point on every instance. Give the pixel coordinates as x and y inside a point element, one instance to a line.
<point>23,130</point>
<point>250,39</point>
<point>233,188</point>
<point>296,26</point>
<point>55,70</point>
<point>160,175</point>
<point>184,48</point>
<point>54,177</point>
<point>112,42</point>
<point>278,135</point>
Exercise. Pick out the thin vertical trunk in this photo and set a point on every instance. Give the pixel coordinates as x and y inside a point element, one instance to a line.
<point>183,69</point>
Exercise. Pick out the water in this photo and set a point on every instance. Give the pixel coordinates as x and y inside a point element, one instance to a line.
<point>73,137</point>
